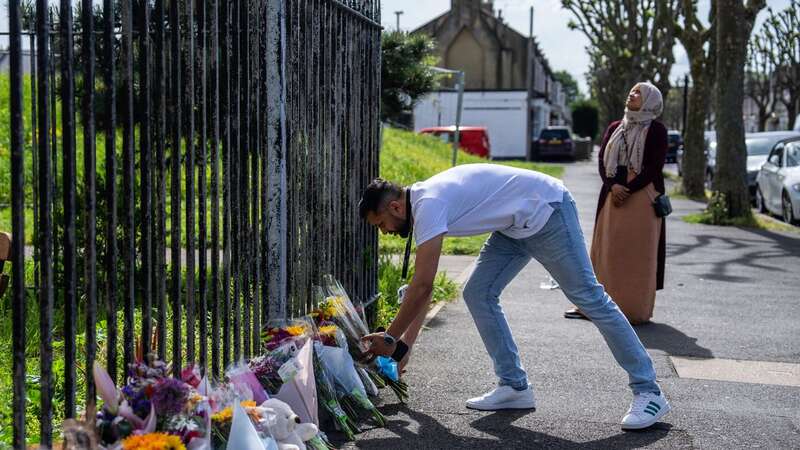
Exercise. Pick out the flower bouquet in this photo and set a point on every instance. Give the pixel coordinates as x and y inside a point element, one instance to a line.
<point>330,350</point>
<point>286,371</point>
<point>338,309</point>
<point>151,401</point>
<point>224,428</point>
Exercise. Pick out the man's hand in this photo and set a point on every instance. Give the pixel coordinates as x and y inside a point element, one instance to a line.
<point>619,194</point>
<point>377,345</point>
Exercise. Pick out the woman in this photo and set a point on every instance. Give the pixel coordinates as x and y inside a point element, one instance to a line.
<point>628,246</point>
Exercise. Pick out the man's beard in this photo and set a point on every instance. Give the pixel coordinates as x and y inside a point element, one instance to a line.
<point>404,229</point>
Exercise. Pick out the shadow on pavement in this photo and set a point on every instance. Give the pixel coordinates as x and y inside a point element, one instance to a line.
<point>671,340</point>
<point>432,434</point>
<point>751,253</point>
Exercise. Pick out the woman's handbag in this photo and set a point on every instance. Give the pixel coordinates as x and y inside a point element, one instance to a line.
<point>662,205</point>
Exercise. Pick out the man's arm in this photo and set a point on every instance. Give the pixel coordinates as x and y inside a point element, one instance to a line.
<point>417,297</point>
<point>418,294</point>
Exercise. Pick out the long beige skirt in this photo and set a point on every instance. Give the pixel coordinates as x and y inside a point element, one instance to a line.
<point>625,253</point>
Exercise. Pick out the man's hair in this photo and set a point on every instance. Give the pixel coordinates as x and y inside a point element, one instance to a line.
<point>378,193</point>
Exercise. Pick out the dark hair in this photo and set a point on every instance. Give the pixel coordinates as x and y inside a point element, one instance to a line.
<point>378,193</point>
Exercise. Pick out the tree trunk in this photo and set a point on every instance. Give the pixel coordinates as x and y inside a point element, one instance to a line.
<point>763,115</point>
<point>791,110</point>
<point>733,32</point>
<point>694,157</point>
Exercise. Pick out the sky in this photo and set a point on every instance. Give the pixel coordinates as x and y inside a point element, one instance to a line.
<point>564,48</point>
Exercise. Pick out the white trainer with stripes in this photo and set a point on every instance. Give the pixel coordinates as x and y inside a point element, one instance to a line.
<point>646,409</point>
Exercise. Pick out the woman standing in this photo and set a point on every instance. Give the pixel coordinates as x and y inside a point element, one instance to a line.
<point>628,246</point>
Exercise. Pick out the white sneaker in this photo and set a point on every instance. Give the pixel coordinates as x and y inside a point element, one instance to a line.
<point>645,410</point>
<point>503,397</point>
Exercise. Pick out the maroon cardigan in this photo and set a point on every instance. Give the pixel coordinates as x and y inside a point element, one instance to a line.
<point>655,150</point>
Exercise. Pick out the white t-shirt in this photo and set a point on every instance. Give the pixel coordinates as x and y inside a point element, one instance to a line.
<point>481,198</point>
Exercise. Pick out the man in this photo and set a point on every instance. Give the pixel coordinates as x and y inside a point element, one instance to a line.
<point>530,215</point>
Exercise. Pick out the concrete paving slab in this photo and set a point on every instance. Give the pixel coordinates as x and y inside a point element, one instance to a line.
<point>740,371</point>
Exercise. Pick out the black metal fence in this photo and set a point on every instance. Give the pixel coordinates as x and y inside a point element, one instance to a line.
<point>192,169</point>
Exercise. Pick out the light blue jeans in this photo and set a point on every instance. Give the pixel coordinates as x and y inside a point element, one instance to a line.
<point>561,249</point>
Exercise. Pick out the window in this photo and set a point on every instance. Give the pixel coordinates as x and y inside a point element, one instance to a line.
<point>775,156</point>
<point>554,134</point>
<point>758,146</point>
<point>445,136</point>
<point>792,154</point>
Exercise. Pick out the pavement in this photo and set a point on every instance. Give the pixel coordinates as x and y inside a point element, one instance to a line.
<point>732,299</point>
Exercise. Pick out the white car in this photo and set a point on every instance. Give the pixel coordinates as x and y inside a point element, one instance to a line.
<point>778,181</point>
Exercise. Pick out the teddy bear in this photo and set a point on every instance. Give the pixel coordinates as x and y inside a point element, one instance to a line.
<point>286,428</point>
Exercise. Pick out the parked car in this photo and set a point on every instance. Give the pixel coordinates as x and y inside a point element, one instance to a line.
<point>759,146</point>
<point>675,144</point>
<point>555,141</point>
<point>778,181</point>
<point>710,151</point>
<point>474,140</point>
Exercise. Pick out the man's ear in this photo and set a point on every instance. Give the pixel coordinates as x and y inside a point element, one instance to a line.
<point>395,205</point>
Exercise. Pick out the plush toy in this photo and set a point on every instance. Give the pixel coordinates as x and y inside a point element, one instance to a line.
<point>287,429</point>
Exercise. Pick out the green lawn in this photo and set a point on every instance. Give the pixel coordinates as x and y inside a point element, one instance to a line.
<point>408,157</point>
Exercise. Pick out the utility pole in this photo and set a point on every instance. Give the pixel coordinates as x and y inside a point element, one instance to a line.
<point>531,78</point>
<point>398,13</point>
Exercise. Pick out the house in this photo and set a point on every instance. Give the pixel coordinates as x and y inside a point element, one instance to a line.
<point>509,85</point>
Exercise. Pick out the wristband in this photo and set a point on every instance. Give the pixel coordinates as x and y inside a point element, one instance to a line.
<point>400,351</point>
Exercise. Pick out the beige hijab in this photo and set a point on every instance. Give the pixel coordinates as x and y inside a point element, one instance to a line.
<point>626,144</point>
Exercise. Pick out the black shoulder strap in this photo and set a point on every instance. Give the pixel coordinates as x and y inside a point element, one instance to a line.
<point>410,234</point>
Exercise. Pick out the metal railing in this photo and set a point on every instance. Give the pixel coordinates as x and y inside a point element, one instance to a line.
<point>224,147</point>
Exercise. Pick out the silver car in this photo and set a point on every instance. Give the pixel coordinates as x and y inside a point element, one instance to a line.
<point>778,181</point>
<point>759,146</point>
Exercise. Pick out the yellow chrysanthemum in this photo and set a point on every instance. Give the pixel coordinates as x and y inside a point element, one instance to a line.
<point>223,416</point>
<point>153,441</point>
<point>328,329</point>
<point>227,413</point>
<point>296,330</point>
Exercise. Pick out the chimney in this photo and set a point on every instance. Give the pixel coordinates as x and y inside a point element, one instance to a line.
<point>465,4</point>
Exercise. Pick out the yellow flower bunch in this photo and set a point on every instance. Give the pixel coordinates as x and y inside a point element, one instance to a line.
<point>153,441</point>
<point>226,414</point>
<point>296,330</point>
<point>328,329</point>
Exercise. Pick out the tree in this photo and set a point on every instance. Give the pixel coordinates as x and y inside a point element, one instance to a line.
<point>405,72</point>
<point>629,41</point>
<point>571,89</point>
<point>758,84</point>
<point>734,24</point>
<point>699,42</point>
<point>673,108</point>
<point>585,118</point>
<point>781,35</point>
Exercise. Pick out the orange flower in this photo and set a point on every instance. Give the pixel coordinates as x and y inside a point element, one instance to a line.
<point>153,441</point>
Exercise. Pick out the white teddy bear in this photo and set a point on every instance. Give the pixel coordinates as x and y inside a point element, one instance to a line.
<point>287,429</point>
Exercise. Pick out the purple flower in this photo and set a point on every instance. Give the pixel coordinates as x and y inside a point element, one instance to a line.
<point>137,398</point>
<point>170,396</point>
